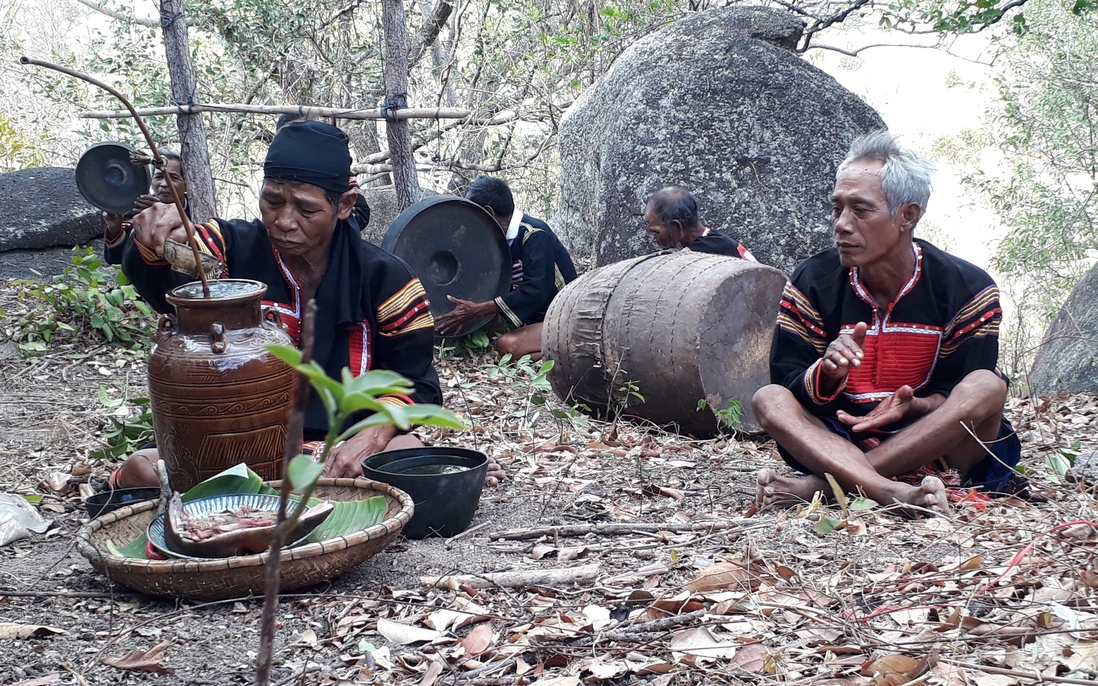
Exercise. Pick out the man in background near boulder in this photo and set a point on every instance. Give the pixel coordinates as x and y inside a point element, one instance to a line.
<point>884,358</point>
<point>540,267</point>
<point>672,217</point>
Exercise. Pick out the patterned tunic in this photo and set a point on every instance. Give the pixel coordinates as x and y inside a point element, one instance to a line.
<point>943,325</point>
<point>540,267</point>
<point>372,312</point>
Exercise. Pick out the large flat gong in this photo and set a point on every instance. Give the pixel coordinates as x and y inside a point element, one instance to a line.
<point>455,248</point>
<point>107,178</point>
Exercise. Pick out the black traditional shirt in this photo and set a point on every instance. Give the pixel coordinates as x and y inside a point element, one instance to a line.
<point>943,325</point>
<point>716,243</point>
<point>540,267</point>
<point>372,313</point>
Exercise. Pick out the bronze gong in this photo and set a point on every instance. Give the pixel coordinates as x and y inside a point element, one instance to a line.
<point>455,248</point>
<point>108,179</point>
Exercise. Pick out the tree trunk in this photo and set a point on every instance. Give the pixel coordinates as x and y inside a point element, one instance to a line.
<point>192,132</point>
<point>395,76</point>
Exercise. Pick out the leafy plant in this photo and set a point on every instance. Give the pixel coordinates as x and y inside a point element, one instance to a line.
<point>535,375</point>
<point>472,345</point>
<point>727,416</point>
<point>345,399</point>
<point>79,305</point>
<point>1059,463</point>
<point>130,425</point>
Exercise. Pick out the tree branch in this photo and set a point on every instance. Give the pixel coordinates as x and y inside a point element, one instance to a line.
<point>102,9</point>
<point>429,34</point>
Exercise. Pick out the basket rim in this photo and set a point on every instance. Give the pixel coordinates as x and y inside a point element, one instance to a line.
<point>388,526</point>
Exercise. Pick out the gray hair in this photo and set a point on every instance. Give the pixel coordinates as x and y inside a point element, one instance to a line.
<point>905,177</point>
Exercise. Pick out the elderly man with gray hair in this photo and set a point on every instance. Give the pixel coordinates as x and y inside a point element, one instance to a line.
<point>883,365</point>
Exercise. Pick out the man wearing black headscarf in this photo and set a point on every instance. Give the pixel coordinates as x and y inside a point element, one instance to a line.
<point>372,312</point>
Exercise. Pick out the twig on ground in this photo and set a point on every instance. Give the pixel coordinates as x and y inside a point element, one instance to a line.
<point>530,577</point>
<point>614,528</point>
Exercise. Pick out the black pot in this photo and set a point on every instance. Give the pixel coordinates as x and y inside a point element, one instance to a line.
<point>109,501</point>
<point>445,503</point>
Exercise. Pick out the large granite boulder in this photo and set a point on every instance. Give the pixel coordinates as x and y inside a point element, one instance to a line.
<point>1068,357</point>
<point>720,104</point>
<point>41,207</point>
<point>383,210</point>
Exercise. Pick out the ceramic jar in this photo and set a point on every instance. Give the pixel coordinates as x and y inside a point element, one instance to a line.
<point>218,396</point>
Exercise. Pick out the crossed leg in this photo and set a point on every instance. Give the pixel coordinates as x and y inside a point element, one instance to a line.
<point>975,405</point>
<point>525,340</point>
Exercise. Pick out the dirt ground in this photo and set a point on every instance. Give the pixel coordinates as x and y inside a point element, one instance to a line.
<point>692,586</point>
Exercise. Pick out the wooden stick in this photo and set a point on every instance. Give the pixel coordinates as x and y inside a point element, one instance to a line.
<point>529,577</point>
<point>614,528</point>
<point>1032,676</point>
<point>303,110</point>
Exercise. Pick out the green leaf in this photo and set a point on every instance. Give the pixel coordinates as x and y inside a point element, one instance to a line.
<point>236,479</point>
<point>348,517</point>
<point>827,524</point>
<point>1058,464</point>
<point>303,472</point>
<point>862,503</point>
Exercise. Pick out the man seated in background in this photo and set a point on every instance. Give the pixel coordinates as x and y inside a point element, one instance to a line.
<point>884,358</point>
<point>540,267</point>
<point>118,226</point>
<point>672,217</point>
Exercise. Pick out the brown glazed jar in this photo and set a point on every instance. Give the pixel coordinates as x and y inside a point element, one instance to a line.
<point>218,397</point>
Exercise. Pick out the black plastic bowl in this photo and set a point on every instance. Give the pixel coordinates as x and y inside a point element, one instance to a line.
<point>445,503</point>
<point>109,501</point>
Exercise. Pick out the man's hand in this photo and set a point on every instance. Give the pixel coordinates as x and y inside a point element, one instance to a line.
<point>899,405</point>
<point>346,458</point>
<point>114,222</point>
<point>152,226</point>
<point>144,202</point>
<point>464,311</point>
<point>844,353</point>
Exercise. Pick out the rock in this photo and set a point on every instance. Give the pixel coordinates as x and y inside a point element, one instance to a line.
<point>1068,357</point>
<point>1085,469</point>
<point>717,103</point>
<point>383,210</point>
<point>41,207</point>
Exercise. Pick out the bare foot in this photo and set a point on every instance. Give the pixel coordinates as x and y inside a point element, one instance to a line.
<point>495,474</point>
<point>929,497</point>
<point>785,491</point>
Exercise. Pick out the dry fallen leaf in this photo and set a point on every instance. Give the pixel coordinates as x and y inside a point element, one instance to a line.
<point>689,645</point>
<point>478,640</point>
<point>429,677</point>
<point>721,576</point>
<point>971,563</point>
<point>405,633</point>
<point>752,657</point>
<point>540,551</point>
<point>40,681</point>
<point>24,631</point>
<point>142,661</point>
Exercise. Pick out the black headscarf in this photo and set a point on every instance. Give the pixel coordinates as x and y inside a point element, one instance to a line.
<point>310,152</point>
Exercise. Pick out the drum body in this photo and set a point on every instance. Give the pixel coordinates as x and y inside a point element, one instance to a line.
<point>655,335</point>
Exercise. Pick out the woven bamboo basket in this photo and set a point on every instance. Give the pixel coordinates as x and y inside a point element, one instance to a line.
<point>236,577</point>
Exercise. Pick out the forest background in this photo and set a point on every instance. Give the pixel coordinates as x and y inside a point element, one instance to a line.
<point>999,95</point>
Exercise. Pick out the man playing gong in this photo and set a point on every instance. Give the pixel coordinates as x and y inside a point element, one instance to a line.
<point>540,267</point>
<point>372,312</point>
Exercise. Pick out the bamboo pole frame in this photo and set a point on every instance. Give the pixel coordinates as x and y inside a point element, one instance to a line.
<point>303,110</point>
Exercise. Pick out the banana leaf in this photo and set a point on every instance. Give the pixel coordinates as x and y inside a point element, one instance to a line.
<point>347,516</point>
